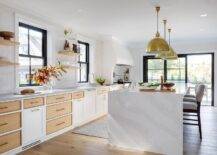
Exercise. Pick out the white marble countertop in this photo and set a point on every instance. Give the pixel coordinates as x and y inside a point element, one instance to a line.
<point>4,97</point>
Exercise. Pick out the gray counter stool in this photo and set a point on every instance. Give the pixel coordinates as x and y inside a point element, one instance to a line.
<point>191,107</point>
<point>189,96</point>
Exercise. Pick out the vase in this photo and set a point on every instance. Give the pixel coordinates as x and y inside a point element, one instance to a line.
<point>49,86</point>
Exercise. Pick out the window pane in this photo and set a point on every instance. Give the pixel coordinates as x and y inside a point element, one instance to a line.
<point>155,64</point>
<point>155,69</point>
<point>35,42</point>
<point>23,39</point>
<point>36,63</point>
<point>78,74</point>
<point>83,72</point>
<point>199,68</point>
<point>24,70</point>
<point>176,70</point>
<point>176,74</point>
<point>82,57</point>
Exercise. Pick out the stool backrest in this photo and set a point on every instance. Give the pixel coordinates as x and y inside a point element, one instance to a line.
<point>200,92</point>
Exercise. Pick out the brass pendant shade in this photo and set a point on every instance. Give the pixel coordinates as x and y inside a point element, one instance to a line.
<point>157,44</point>
<point>170,55</point>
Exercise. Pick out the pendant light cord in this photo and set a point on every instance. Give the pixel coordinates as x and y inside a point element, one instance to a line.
<point>165,22</point>
<point>157,22</point>
<point>157,9</point>
<point>169,30</point>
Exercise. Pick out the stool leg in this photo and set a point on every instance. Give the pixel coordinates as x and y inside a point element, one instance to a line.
<point>199,124</point>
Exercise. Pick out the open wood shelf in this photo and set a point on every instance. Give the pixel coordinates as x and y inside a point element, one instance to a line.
<point>68,53</point>
<point>8,42</point>
<point>7,63</point>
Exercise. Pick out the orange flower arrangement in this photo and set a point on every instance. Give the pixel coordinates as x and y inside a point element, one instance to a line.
<point>44,75</point>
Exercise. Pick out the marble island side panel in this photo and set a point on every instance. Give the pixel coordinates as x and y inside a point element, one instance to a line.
<point>146,121</point>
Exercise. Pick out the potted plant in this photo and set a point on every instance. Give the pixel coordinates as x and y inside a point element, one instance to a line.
<point>100,80</point>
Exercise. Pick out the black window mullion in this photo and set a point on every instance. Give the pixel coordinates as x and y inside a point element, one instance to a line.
<point>165,70</point>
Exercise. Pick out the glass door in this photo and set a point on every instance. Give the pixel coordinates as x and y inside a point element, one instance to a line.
<point>200,70</point>
<point>176,73</point>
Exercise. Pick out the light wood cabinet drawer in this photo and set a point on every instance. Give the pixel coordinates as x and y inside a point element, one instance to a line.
<point>59,109</point>
<point>58,98</point>
<point>10,141</point>
<point>78,95</point>
<point>33,102</point>
<point>10,106</point>
<point>10,122</point>
<point>58,124</point>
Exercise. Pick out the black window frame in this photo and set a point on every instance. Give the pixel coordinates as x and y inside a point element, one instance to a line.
<point>44,50</point>
<point>145,69</point>
<point>86,62</point>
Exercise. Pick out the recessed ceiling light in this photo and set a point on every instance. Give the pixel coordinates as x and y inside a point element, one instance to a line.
<point>203,15</point>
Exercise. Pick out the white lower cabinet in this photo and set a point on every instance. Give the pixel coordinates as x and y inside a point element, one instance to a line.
<point>102,104</point>
<point>33,124</point>
<point>89,104</point>
<point>78,112</point>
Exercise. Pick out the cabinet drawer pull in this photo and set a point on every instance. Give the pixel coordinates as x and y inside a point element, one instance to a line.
<point>34,102</point>
<point>60,109</point>
<point>5,143</point>
<point>60,123</point>
<point>3,124</point>
<point>60,98</point>
<point>35,110</point>
<point>3,108</point>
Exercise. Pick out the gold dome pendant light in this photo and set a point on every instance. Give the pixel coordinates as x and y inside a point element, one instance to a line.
<point>157,44</point>
<point>172,54</point>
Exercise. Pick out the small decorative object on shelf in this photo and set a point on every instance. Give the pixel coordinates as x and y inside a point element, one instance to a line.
<point>100,80</point>
<point>66,45</point>
<point>70,45</point>
<point>5,38</point>
<point>7,35</point>
<point>67,32</point>
<point>45,75</point>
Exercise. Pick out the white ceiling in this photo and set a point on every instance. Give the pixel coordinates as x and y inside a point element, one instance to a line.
<point>132,21</point>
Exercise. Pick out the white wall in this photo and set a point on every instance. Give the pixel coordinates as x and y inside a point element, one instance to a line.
<point>182,47</point>
<point>113,52</point>
<point>9,19</point>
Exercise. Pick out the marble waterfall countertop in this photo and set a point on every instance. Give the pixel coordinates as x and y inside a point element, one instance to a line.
<point>146,121</point>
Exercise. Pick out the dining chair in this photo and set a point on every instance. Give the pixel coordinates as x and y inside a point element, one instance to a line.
<point>191,107</point>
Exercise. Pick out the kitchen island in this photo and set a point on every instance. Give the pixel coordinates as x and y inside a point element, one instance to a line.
<point>146,121</point>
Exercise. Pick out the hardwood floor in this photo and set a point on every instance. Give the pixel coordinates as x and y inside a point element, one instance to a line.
<point>208,146</point>
<point>74,144</point>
